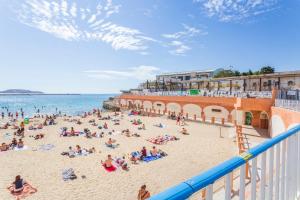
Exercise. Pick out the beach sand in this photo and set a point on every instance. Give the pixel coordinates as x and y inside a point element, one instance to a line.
<point>187,157</point>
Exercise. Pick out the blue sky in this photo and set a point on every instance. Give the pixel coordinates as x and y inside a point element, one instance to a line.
<point>102,46</point>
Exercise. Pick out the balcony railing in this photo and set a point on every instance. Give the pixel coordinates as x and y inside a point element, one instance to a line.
<point>289,104</point>
<point>274,168</point>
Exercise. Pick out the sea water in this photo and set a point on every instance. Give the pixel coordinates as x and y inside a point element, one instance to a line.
<point>51,104</point>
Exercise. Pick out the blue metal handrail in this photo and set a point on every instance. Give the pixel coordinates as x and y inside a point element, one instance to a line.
<point>196,183</point>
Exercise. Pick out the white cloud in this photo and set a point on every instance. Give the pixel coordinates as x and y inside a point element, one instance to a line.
<point>235,10</point>
<point>187,32</point>
<point>66,20</point>
<point>179,39</point>
<point>180,48</point>
<point>140,73</point>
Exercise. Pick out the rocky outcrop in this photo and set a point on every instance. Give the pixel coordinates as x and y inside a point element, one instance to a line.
<point>111,104</point>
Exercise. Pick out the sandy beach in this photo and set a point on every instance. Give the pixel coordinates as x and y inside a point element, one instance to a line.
<point>190,155</point>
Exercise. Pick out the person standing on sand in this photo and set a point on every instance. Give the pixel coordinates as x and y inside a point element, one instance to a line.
<point>143,193</point>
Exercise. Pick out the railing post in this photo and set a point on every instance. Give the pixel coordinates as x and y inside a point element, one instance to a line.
<point>277,168</point>
<point>271,171</point>
<point>288,169</point>
<point>253,178</point>
<point>228,186</point>
<point>242,182</point>
<point>263,176</point>
<point>209,192</point>
<point>283,162</point>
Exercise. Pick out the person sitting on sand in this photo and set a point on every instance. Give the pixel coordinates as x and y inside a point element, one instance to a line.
<point>108,162</point>
<point>143,193</point>
<point>18,184</point>
<point>92,150</point>
<point>13,143</point>
<point>78,149</point>
<point>20,144</point>
<point>71,152</point>
<point>72,132</point>
<point>88,133</point>
<point>143,153</point>
<point>105,126</point>
<point>110,142</point>
<point>153,152</point>
<point>45,123</point>
<point>4,147</point>
<point>184,131</point>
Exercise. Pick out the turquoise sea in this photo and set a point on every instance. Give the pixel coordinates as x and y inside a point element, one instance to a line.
<point>51,104</point>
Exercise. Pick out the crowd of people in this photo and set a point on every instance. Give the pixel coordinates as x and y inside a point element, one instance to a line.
<point>105,129</point>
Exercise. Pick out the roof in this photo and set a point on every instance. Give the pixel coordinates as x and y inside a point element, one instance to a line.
<point>188,72</point>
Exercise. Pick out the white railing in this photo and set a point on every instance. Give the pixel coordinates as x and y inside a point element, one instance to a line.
<point>289,104</point>
<point>270,170</point>
<point>213,93</point>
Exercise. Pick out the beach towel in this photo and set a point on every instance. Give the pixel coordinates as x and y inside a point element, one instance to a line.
<point>110,169</point>
<point>27,191</point>
<point>21,149</point>
<point>112,146</point>
<point>68,174</point>
<point>162,139</point>
<point>46,147</point>
<point>151,158</point>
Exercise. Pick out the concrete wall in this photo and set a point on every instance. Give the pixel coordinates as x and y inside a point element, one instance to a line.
<point>191,110</point>
<point>159,106</point>
<point>283,119</point>
<point>174,107</point>
<point>210,111</point>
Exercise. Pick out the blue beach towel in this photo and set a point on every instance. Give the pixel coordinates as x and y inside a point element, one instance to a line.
<point>151,158</point>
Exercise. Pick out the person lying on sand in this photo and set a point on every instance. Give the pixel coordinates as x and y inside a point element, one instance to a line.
<point>18,184</point>
<point>143,193</point>
<point>108,162</point>
<point>39,136</point>
<point>5,126</point>
<point>121,162</point>
<point>4,147</point>
<point>136,135</point>
<point>184,131</point>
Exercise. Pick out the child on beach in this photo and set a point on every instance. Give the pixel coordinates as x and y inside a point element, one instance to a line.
<point>143,193</point>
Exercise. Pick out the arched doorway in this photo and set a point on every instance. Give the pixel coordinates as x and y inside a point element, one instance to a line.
<point>248,118</point>
<point>264,120</point>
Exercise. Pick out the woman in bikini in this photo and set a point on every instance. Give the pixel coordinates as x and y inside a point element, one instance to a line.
<point>143,193</point>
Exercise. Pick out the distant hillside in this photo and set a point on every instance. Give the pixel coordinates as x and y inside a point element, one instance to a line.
<point>20,91</point>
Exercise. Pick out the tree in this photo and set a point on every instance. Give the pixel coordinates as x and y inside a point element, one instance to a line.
<point>267,70</point>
